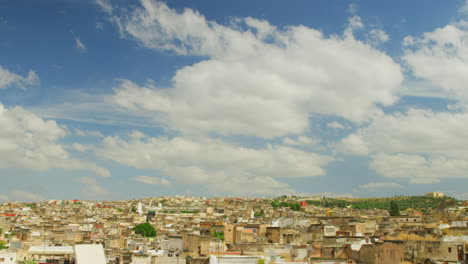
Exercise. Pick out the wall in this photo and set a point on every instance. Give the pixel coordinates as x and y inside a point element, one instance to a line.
<point>381,253</point>
<point>8,257</point>
<point>234,259</point>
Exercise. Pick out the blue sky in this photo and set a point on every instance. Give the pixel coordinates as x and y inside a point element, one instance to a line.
<point>108,100</point>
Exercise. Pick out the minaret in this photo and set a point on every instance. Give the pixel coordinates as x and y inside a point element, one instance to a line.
<point>140,208</point>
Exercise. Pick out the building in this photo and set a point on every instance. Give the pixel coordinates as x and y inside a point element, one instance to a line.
<point>435,194</point>
<point>7,257</point>
<point>86,254</point>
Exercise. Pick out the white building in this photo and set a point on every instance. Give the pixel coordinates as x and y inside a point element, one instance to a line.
<point>233,259</point>
<point>7,257</point>
<point>86,254</point>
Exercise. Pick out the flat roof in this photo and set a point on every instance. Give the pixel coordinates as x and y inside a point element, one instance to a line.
<point>51,250</point>
<point>87,254</point>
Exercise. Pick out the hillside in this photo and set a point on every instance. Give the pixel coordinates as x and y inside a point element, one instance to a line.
<point>423,203</point>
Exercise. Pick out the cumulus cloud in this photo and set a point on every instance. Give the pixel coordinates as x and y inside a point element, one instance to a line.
<point>152,180</point>
<point>218,165</point>
<point>81,147</point>
<point>377,37</point>
<point>441,57</point>
<point>29,142</point>
<point>300,141</point>
<point>380,185</point>
<point>464,8</point>
<point>354,23</point>
<point>105,5</point>
<point>419,169</point>
<point>7,79</point>
<point>416,131</point>
<point>420,145</point>
<point>336,125</point>
<point>256,79</point>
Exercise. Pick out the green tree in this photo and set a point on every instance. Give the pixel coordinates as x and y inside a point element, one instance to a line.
<point>3,244</point>
<point>275,204</point>
<point>145,229</point>
<point>29,261</point>
<point>259,214</point>
<point>295,206</point>
<point>394,211</point>
<point>217,234</point>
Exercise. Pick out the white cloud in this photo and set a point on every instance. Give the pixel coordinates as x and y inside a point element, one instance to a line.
<point>94,109</point>
<point>353,8</point>
<point>336,125</point>
<point>354,23</point>
<point>380,185</point>
<point>92,188</point>
<point>105,5</point>
<point>152,180</point>
<point>81,148</point>
<point>29,142</point>
<point>8,79</point>
<point>300,141</point>
<point>441,56</point>
<point>417,131</point>
<point>257,79</point>
<point>419,145</point>
<point>464,8</point>
<point>27,196</point>
<point>99,25</point>
<point>419,169</point>
<point>79,45</point>
<point>87,133</point>
<point>354,144</point>
<point>377,37</point>
<point>218,165</point>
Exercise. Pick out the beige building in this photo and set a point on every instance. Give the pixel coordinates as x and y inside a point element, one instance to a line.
<point>435,194</point>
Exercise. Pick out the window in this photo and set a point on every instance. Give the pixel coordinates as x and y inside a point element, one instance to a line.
<point>449,250</point>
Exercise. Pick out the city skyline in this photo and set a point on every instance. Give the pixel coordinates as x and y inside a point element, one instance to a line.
<point>111,100</point>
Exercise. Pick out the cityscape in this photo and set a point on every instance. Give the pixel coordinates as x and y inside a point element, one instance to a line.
<point>233,132</point>
<point>177,229</point>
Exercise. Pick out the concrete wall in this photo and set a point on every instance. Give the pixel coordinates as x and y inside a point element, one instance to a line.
<point>233,259</point>
<point>7,257</point>
<point>273,234</point>
<point>229,234</point>
<point>382,253</point>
